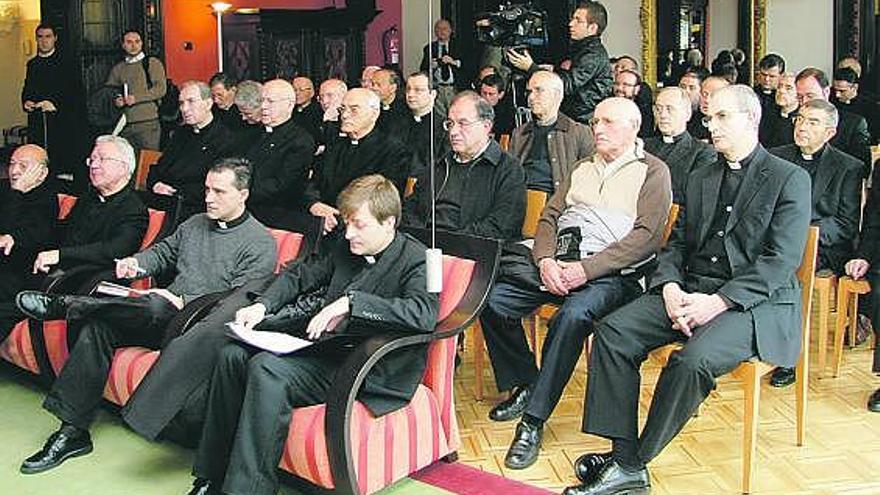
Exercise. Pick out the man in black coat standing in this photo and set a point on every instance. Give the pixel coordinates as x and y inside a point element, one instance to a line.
<point>836,193</point>
<point>50,98</point>
<point>443,58</point>
<point>675,146</point>
<point>587,77</point>
<point>28,210</point>
<point>198,143</point>
<point>281,157</point>
<point>725,287</point>
<point>375,282</point>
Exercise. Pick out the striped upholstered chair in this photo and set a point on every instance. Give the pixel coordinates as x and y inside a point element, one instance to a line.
<point>42,347</point>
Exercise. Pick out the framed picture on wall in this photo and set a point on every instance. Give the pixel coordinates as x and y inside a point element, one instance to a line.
<point>288,57</point>
<point>335,57</point>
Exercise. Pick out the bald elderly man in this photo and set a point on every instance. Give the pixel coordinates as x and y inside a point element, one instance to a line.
<point>281,157</point>
<point>598,234</point>
<point>28,210</point>
<point>330,95</point>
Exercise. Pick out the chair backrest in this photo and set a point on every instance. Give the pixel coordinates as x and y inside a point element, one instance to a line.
<point>146,159</point>
<point>670,222</point>
<point>157,219</point>
<point>288,245</point>
<point>410,187</point>
<point>65,204</point>
<point>504,141</point>
<point>535,202</point>
<point>806,274</point>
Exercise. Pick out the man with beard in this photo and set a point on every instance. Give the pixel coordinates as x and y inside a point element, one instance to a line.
<point>675,146</point>
<point>628,84</point>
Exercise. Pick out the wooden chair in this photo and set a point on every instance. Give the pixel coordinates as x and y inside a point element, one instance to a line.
<point>535,202</point>
<point>750,372</point>
<point>504,141</point>
<point>146,159</point>
<point>410,187</point>
<point>848,291</point>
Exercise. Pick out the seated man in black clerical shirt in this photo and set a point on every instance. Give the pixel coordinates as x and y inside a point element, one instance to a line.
<point>675,146</point>
<point>197,144</point>
<point>211,252</point>
<point>375,282</point>
<point>364,150</point>
<point>837,192</point>
<point>725,287</point>
<point>479,189</point>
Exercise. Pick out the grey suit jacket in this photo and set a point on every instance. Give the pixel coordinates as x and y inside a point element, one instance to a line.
<point>764,239</point>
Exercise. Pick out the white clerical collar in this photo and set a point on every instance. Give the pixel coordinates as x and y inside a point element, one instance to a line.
<point>269,128</point>
<point>417,118</point>
<point>370,259</point>
<point>46,55</point>
<point>386,107</point>
<point>807,157</point>
<point>222,224</point>
<point>668,139</point>
<point>734,165</point>
<point>766,91</point>
<point>135,59</point>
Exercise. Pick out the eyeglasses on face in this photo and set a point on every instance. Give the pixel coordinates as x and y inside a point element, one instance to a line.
<point>93,161</point>
<point>448,125</point>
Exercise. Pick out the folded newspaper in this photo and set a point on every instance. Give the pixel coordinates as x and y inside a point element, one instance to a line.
<point>275,342</point>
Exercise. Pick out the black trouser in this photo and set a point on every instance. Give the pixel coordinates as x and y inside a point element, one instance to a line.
<point>872,309</point>
<point>177,384</point>
<point>622,342</point>
<point>13,281</point>
<point>513,361</point>
<point>107,324</point>
<point>250,401</point>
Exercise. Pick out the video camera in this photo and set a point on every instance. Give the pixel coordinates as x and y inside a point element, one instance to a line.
<point>514,25</point>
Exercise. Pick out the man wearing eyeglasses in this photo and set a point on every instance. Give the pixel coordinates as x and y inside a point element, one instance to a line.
<point>28,210</point>
<point>597,235</point>
<point>628,84</point>
<point>777,126</point>
<point>852,135</point>
<point>675,146</point>
<point>836,198</point>
<point>587,78</point>
<point>364,150</point>
<point>725,287</point>
<point>478,188</point>
<point>281,158</point>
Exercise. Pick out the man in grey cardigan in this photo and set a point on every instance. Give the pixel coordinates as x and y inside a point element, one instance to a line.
<point>216,251</point>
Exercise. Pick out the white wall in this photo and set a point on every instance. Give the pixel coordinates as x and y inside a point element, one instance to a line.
<point>802,31</point>
<point>16,47</point>
<point>418,29</point>
<point>623,36</point>
<point>723,19</point>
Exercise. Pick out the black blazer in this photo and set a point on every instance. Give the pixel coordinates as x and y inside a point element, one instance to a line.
<point>764,240</point>
<point>281,162</point>
<point>836,199</point>
<point>853,138</point>
<point>687,155</point>
<point>389,296</point>
<point>454,52</point>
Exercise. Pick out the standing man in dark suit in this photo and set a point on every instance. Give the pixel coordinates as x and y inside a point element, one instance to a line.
<point>281,157</point>
<point>375,283</point>
<point>837,192</point>
<point>852,130</point>
<point>675,146</point>
<point>725,287</point>
<point>441,57</point>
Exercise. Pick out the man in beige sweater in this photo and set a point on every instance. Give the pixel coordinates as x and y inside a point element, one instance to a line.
<point>595,240</point>
<point>141,92</point>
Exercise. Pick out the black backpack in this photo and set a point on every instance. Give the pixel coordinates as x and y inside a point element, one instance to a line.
<point>169,105</point>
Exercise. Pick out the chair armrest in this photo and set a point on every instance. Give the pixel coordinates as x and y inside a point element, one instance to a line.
<point>70,280</point>
<point>343,393</point>
<point>194,311</point>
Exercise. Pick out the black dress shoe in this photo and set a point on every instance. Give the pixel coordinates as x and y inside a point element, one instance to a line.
<point>588,466</point>
<point>874,401</point>
<point>782,377</point>
<point>41,306</point>
<point>614,480</point>
<point>513,407</point>
<point>65,443</point>
<point>523,451</point>
<point>201,486</point>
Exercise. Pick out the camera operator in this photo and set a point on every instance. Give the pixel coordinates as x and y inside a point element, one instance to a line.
<point>587,78</point>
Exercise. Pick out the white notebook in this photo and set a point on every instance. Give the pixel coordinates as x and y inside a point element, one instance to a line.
<point>275,342</point>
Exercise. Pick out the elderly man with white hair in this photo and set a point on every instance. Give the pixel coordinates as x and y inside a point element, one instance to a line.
<point>681,152</point>
<point>726,288</point>
<point>596,237</point>
<point>552,142</point>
